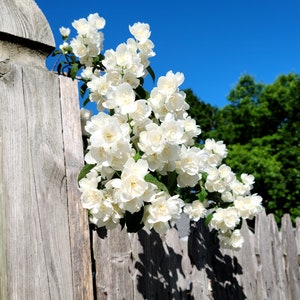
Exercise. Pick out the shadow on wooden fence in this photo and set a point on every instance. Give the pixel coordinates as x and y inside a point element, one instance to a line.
<point>147,266</point>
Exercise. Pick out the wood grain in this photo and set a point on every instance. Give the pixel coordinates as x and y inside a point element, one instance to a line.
<point>78,218</point>
<point>33,196</point>
<point>24,19</point>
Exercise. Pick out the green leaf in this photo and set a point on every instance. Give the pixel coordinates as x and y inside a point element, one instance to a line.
<point>85,170</point>
<point>208,219</point>
<point>172,181</point>
<point>202,195</point>
<point>134,221</point>
<point>137,156</point>
<point>74,71</point>
<point>56,52</point>
<point>151,72</point>
<point>152,179</point>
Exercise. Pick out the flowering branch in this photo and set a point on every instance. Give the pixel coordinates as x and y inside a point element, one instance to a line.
<point>143,167</point>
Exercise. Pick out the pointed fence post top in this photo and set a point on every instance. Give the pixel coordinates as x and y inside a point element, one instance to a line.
<point>23,26</point>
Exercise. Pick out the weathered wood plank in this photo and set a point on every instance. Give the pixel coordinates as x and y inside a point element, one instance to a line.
<point>200,246</point>
<point>297,237</point>
<point>276,253</point>
<point>158,261</point>
<point>33,195</point>
<point>78,219</point>
<point>245,264</point>
<point>23,19</point>
<point>291,258</point>
<point>113,256</point>
<point>262,243</point>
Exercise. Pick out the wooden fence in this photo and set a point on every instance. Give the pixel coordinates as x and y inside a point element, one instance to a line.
<point>48,250</point>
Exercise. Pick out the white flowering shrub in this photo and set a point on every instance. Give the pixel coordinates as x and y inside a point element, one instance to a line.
<point>142,165</point>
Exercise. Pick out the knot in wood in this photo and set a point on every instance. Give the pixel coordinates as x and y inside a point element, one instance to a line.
<point>5,69</point>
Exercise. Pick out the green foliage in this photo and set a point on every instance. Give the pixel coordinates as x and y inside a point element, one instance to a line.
<point>85,170</point>
<point>261,127</point>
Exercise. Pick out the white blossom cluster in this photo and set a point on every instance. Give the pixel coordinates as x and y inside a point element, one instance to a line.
<point>135,143</point>
<point>89,40</point>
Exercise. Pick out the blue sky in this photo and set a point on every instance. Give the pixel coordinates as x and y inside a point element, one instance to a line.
<point>212,42</point>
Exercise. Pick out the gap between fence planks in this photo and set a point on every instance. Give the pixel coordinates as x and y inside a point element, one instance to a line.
<point>78,218</point>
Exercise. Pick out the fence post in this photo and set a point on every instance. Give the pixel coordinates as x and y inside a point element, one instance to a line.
<point>44,235</point>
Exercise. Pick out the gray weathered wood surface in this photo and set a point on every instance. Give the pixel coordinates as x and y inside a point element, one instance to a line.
<point>44,235</point>
<point>23,19</point>
<point>145,266</point>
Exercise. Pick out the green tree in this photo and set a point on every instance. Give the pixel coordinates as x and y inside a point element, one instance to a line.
<point>261,127</point>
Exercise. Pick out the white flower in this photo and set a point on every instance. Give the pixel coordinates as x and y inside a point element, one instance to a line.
<point>227,196</point>
<point>154,161</point>
<point>109,134</point>
<point>107,213</point>
<point>248,206</point>
<point>85,115</point>
<point>219,179</point>
<point>146,49</point>
<point>248,179</point>
<point>99,86</point>
<point>142,112</point>
<point>216,150</point>
<point>91,198</point>
<point>79,47</point>
<point>96,21</point>
<point>186,180</point>
<point>189,161</point>
<point>196,210</point>
<point>238,188</point>
<point>65,32</point>
<point>131,79</point>
<point>124,57</point>
<point>121,97</point>
<point>139,168</point>
<point>82,26</point>
<point>90,181</point>
<point>236,239</point>
<point>152,140</point>
<point>132,185</point>
<point>225,219</point>
<point>64,47</point>
<point>173,130</point>
<point>162,209</point>
<point>176,103</point>
<point>231,240</point>
<point>169,156</point>
<point>87,73</point>
<point>140,31</point>
<point>169,84</point>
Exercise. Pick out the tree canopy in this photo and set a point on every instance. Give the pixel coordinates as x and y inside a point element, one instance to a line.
<point>261,128</point>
